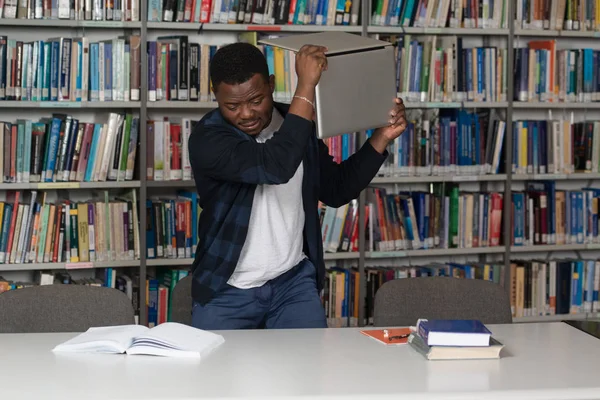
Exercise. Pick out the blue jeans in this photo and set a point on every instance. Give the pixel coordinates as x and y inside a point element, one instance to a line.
<point>288,301</point>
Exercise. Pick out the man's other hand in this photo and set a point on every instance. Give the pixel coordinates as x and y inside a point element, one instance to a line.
<point>383,136</point>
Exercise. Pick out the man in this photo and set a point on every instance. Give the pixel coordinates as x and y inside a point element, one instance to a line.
<point>260,171</point>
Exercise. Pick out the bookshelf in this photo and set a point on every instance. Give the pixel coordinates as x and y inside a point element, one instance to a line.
<point>365,257</point>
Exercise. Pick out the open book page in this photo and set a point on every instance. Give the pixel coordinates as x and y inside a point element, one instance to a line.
<point>106,339</point>
<point>172,339</point>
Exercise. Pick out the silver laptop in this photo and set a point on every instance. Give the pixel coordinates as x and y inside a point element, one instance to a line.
<point>358,89</point>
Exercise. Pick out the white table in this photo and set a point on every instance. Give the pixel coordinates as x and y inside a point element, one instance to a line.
<point>540,361</point>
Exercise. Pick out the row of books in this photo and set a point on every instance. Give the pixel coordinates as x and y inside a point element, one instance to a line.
<point>544,73</point>
<point>557,146</point>
<point>172,226</point>
<point>167,154</point>
<point>79,10</point>
<point>429,69</point>
<point>536,287</point>
<point>450,142</point>
<point>342,146</point>
<point>440,14</point>
<point>568,15</point>
<point>445,217</point>
<point>159,289</point>
<point>64,149</point>
<point>575,15</point>
<point>440,69</point>
<point>554,287</point>
<point>339,227</point>
<point>447,143</point>
<point>70,69</point>
<point>179,70</point>
<point>263,12</point>
<point>543,214</point>
<point>42,229</point>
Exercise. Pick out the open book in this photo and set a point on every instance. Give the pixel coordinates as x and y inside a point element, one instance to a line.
<point>169,339</point>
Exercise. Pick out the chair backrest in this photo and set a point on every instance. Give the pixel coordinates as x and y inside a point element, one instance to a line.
<point>401,302</point>
<point>63,308</point>
<point>181,301</point>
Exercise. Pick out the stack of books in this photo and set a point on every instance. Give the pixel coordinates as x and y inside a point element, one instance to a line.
<point>454,340</point>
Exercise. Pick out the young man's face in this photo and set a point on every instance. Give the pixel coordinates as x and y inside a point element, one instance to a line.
<point>249,105</point>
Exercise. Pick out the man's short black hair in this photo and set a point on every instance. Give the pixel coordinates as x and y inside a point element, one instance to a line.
<point>236,63</point>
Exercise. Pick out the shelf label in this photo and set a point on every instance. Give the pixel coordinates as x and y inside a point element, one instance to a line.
<point>549,176</point>
<point>79,265</point>
<point>433,31</point>
<point>593,246</point>
<point>466,178</point>
<point>58,185</point>
<point>274,28</point>
<point>388,254</point>
<point>441,105</point>
<point>60,104</point>
<point>103,24</point>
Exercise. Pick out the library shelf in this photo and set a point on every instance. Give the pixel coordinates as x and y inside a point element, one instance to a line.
<point>69,266</point>
<point>197,108</point>
<point>70,23</point>
<point>554,248</point>
<point>556,33</point>
<point>437,31</point>
<point>555,105</point>
<point>199,105</point>
<point>557,317</point>
<point>429,104</point>
<point>438,178</point>
<point>70,185</point>
<point>484,104</point>
<point>202,105</point>
<point>188,261</point>
<point>169,262</point>
<point>453,104</point>
<point>171,184</point>
<point>199,27</point>
<point>435,252</point>
<point>578,176</point>
<point>70,104</point>
<point>352,255</point>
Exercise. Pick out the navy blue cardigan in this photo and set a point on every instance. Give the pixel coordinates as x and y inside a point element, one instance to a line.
<point>228,164</point>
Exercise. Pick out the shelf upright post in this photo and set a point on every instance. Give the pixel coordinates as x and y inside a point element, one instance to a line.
<point>362,138</point>
<point>143,319</point>
<point>506,213</point>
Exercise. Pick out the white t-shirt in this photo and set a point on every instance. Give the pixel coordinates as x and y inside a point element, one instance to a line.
<point>274,242</point>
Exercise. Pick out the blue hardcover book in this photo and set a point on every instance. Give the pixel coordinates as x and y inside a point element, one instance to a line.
<point>454,332</point>
<point>54,70</point>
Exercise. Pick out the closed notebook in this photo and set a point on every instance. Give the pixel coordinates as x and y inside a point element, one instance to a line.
<point>453,332</point>
<point>169,339</point>
<point>397,336</point>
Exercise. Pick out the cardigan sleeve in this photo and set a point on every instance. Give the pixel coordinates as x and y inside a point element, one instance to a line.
<point>340,183</point>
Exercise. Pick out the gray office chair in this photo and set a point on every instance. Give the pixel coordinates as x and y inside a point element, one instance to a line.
<point>63,308</point>
<point>401,302</point>
<point>181,301</point>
